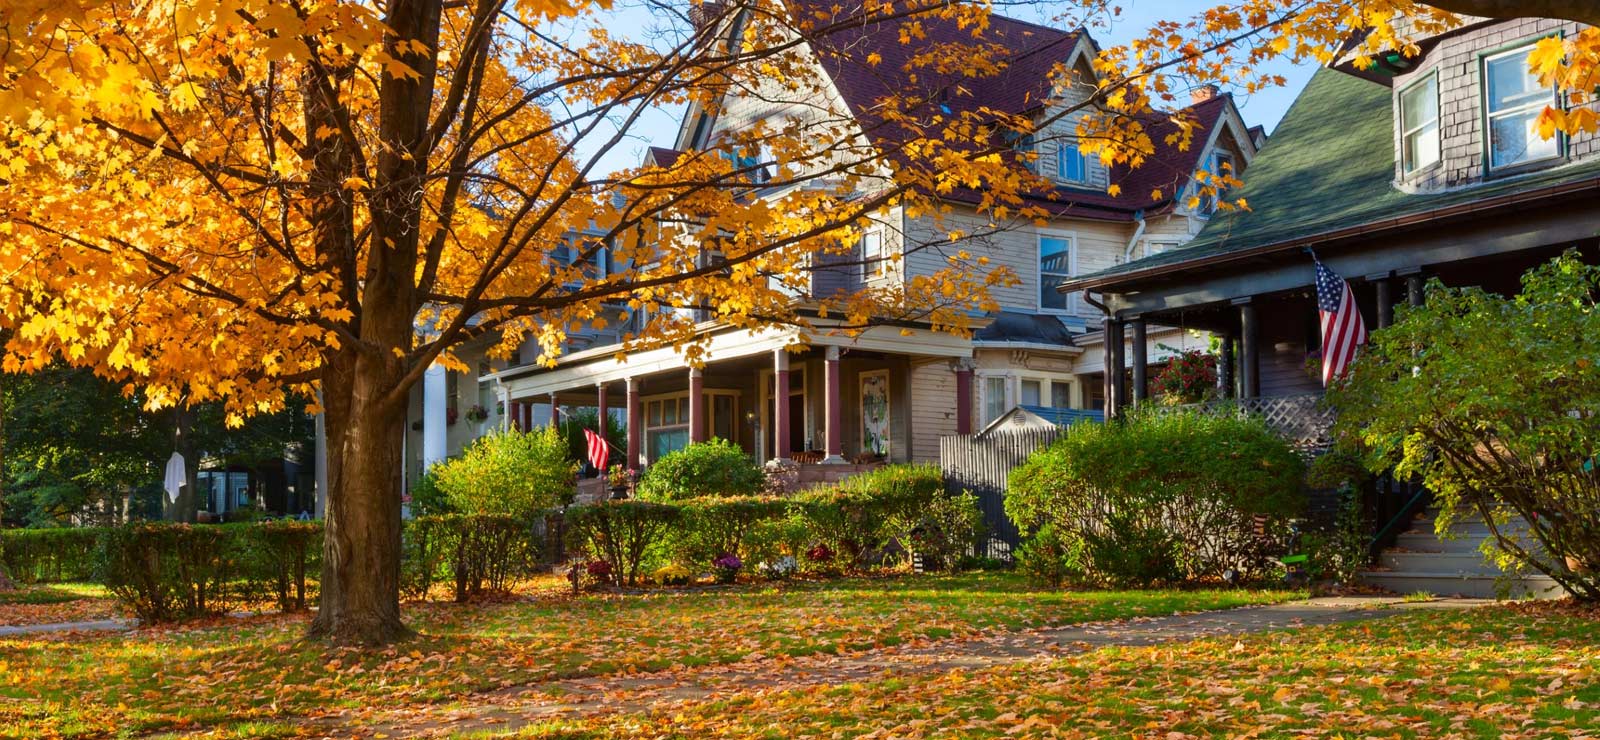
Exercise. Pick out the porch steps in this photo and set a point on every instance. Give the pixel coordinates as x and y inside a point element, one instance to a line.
<point>1421,561</point>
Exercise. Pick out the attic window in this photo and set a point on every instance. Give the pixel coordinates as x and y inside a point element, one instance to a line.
<point>1419,124</point>
<point>1070,164</point>
<point>1513,100</point>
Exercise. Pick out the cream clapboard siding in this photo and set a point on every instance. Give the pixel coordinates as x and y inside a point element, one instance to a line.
<point>1097,245</point>
<point>933,408</point>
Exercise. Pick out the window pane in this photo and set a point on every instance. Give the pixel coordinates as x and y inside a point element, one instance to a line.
<point>994,398</point>
<point>1422,147</point>
<point>1419,104</point>
<point>1070,164</point>
<point>1511,85</point>
<point>871,254</point>
<point>669,413</point>
<point>1061,395</point>
<point>1055,260</point>
<point>1030,392</point>
<point>654,414</point>
<point>1514,138</point>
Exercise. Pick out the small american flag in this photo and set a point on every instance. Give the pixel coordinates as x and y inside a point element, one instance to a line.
<point>599,449</point>
<point>1342,328</point>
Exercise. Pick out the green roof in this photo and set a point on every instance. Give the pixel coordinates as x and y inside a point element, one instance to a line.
<point>1329,166</point>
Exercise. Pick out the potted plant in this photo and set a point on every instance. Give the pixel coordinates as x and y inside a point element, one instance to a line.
<point>477,414</point>
<point>726,567</point>
<point>620,480</point>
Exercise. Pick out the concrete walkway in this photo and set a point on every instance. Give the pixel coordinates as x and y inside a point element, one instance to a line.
<point>509,709</point>
<point>96,625</point>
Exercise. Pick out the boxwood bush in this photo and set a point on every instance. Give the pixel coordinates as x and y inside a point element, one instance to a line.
<point>1160,496</point>
<point>713,468</point>
<point>476,553</point>
<point>713,526</point>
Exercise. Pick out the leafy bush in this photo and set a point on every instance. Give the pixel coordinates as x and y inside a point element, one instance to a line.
<point>944,530</point>
<point>427,499</point>
<point>711,527</point>
<point>619,533</point>
<point>167,572</point>
<point>1340,552</point>
<point>1161,495</point>
<point>714,468</point>
<point>1047,559</point>
<point>279,555</point>
<point>1493,403</point>
<point>474,552</point>
<point>858,518</point>
<point>51,555</point>
<point>508,472</point>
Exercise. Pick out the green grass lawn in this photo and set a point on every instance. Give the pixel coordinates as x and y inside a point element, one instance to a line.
<point>1490,673</point>
<point>258,670</point>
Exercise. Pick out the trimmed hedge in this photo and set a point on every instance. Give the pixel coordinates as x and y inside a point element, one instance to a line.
<point>51,555</point>
<point>474,552</point>
<point>619,533</point>
<point>716,467</point>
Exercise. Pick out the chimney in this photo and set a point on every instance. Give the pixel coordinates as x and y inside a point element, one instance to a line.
<point>1203,93</point>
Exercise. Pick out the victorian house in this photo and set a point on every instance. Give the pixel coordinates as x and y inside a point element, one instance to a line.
<point>890,393</point>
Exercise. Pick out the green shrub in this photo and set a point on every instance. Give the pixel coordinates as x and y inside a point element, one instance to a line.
<point>508,472</point>
<point>1161,495</point>
<point>51,555</point>
<point>427,499</point>
<point>1047,559</point>
<point>714,526</point>
<point>280,552</point>
<point>943,530</point>
<point>619,533</point>
<point>714,468</point>
<point>475,552</point>
<point>859,518</point>
<point>1340,551</point>
<point>166,572</point>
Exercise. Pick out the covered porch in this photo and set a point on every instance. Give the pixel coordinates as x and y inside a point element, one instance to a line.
<point>837,403</point>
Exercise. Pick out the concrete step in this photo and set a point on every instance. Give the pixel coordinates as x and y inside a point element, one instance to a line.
<point>1426,542</point>
<point>1474,586</point>
<point>1460,563</point>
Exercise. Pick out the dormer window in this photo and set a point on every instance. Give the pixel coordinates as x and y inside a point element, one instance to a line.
<point>1513,100</point>
<point>1218,164</point>
<point>1419,125</point>
<point>1070,164</point>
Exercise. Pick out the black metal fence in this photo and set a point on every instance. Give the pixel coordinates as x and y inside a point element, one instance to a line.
<point>981,464</point>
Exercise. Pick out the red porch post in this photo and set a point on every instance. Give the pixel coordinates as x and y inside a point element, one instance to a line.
<point>635,424</point>
<point>963,370</point>
<point>780,404</point>
<point>835,411</point>
<point>697,405</point>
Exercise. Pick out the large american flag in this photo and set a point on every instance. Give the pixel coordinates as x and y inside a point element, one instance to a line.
<point>1342,328</point>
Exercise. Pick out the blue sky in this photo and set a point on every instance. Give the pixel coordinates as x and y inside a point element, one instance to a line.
<point>1266,107</point>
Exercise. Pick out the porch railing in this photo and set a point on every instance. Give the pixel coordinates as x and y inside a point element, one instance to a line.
<point>1305,420</point>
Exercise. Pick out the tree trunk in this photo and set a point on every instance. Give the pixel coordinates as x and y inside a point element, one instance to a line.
<point>6,584</point>
<point>188,502</point>
<point>360,602</point>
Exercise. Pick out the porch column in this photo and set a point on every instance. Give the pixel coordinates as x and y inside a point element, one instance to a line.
<point>635,424</point>
<point>1249,346</point>
<point>1141,388</point>
<point>1225,367</point>
<point>435,409</point>
<point>1414,294</point>
<point>780,405</point>
<point>600,407</point>
<point>503,399</point>
<point>835,413</point>
<point>963,370</point>
<point>1385,294</point>
<point>1116,386</point>
<point>697,405</point>
<point>555,413</point>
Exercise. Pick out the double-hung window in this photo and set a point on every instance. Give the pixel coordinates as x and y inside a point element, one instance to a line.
<point>871,255</point>
<point>1512,102</point>
<point>1055,266</point>
<point>1070,164</point>
<point>994,398</point>
<point>1419,124</point>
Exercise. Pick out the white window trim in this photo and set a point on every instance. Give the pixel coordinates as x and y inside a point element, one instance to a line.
<point>1488,116</point>
<point>873,268</point>
<point>1009,395</point>
<point>1038,269</point>
<point>1406,130</point>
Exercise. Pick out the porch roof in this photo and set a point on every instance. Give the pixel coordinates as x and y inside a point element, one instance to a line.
<point>604,365</point>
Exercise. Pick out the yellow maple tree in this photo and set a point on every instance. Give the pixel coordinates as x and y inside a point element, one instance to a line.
<point>235,200</point>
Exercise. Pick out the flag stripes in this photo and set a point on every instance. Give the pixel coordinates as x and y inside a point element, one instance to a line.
<point>1342,328</point>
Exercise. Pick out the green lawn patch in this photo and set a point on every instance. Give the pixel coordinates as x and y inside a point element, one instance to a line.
<point>234,671</point>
